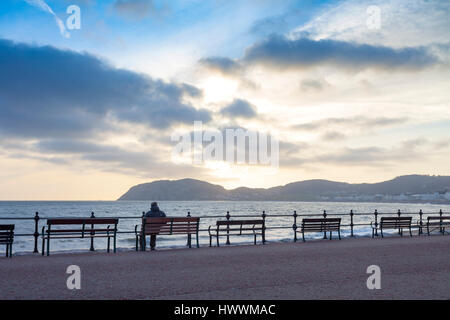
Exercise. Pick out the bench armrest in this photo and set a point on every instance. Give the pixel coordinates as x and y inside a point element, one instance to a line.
<point>136,229</point>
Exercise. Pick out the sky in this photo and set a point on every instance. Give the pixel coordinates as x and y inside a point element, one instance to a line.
<point>354,91</point>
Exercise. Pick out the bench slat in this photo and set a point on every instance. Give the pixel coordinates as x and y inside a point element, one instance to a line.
<point>87,221</point>
<point>239,222</point>
<point>6,227</point>
<point>151,220</point>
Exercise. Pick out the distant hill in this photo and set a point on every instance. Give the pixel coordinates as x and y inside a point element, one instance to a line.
<point>410,188</point>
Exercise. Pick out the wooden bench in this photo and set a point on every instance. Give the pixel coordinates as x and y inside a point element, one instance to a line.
<point>320,225</point>
<point>7,237</point>
<point>436,222</point>
<point>399,223</point>
<point>79,228</point>
<point>166,226</point>
<point>229,228</point>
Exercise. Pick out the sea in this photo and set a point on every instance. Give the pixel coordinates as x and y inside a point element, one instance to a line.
<point>279,219</point>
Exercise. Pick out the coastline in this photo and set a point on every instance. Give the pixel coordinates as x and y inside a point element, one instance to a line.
<point>411,268</point>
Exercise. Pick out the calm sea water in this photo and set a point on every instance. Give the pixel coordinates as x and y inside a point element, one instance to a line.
<point>126,241</point>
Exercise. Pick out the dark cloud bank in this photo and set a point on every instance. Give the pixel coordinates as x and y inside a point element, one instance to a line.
<point>64,101</point>
<point>280,52</point>
<point>45,92</point>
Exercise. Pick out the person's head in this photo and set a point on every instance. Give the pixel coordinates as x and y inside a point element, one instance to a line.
<point>154,206</point>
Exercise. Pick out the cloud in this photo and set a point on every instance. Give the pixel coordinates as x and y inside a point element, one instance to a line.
<point>46,92</point>
<point>134,9</point>
<point>228,68</point>
<point>281,52</point>
<point>317,85</point>
<point>239,108</point>
<point>360,122</point>
<point>363,156</point>
<point>333,136</point>
<point>403,23</point>
<point>225,66</point>
<point>133,160</point>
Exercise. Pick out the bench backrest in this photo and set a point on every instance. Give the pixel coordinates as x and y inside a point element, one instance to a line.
<point>167,225</point>
<point>240,222</point>
<point>321,224</point>
<point>6,233</point>
<point>88,226</point>
<point>395,222</point>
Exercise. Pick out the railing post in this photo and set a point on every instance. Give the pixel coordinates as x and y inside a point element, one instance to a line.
<point>228,228</point>
<point>189,234</point>
<point>440,221</point>
<point>399,230</point>
<point>36,232</point>
<point>92,233</point>
<point>325,216</point>
<point>264,227</point>
<point>142,243</point>
<point>294,226</point>
<point>376,222</point>
<point>351,223</point>
<point>420,222</point>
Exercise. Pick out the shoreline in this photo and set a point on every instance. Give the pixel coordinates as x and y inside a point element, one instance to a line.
<point>411,268</point>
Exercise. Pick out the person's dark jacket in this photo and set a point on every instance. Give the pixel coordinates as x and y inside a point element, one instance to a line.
<point>155,212</point>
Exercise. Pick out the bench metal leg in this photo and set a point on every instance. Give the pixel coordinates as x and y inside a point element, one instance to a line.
<point>210,241</point>
<point>114,243</point>
<point>48,246</point>
<point>144,244</point>
<point>43,245</point>
<point>330,234</point>
<point>339,234</point>
<point>196,236</point>
<point>410,233</point>
<point>218,241</point>
<point>153,242</point>
<point>10,250</point>
<point>254,241</point>
<point>7,250</point>
<point>381,229</point>
<point>109,240</point>
<point>303,236</point>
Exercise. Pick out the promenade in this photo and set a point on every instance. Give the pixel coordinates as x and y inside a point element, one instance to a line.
<point>411,268</point>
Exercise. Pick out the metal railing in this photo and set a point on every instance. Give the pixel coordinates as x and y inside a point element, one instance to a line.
<point>37,218</point>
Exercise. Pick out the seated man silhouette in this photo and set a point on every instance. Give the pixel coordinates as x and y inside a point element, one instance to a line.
<point>154,213</point>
